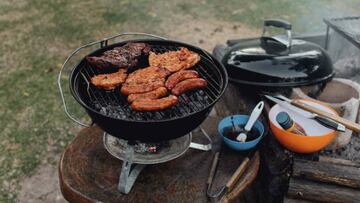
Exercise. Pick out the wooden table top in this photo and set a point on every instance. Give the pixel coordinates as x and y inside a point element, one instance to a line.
<point>88,173</point>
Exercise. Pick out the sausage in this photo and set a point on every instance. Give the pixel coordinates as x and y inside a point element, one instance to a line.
<point>154,104</point>
<point>141,88</point>
<point>187,85</point>
<point>180,76</point>
<point>155,94</point>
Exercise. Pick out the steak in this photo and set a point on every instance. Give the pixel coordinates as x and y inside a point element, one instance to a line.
<point>126,56</point>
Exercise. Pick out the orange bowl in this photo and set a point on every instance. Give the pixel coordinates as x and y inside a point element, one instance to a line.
<point>317,137</point>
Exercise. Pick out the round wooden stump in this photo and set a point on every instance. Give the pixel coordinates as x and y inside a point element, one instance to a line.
<point>88,173</point>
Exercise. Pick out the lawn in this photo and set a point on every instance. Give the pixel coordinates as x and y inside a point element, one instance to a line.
<point>37,36</point>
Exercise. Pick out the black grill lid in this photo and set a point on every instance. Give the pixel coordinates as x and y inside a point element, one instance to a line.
<point>277,61</point>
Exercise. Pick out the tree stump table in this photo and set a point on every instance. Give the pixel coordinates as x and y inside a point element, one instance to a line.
<point>88,173</point>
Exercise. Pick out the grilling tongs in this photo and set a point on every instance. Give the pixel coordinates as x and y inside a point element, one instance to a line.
<point>231,182</point>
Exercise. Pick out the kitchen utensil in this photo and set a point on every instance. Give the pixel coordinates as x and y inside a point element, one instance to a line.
<point>240,120</point>
<point>111,111</point>
<point>320,119</point>
<point>318,136</point>
<point>236,128</point>
<point>253,117</point>
<point>231,182</point>
<point>277,61</point>
<point>298,103</point>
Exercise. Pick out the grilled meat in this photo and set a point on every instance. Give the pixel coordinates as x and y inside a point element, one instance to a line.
<point>180,76</point>
<point>139,88</point>
<point>155,104</point>
<point>126,56</point>
<point>147,74</point>
<point>155,94</point>
<point>189,84</point>
<point>109,81</point>
<point>174,60</point>
<point>145,80</point>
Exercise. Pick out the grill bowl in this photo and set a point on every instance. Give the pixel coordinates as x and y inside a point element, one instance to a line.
<point>111,111</point>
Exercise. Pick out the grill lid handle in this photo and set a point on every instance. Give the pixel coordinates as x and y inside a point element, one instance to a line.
<point>279,24</point>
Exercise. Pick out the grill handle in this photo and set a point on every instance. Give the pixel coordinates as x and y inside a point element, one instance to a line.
<point>102,42</point>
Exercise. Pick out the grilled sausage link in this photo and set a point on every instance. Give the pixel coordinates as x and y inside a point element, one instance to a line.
<point>180,76</point>
<point>155,104</point>
<point>155,94</point>
<point>187,85</point>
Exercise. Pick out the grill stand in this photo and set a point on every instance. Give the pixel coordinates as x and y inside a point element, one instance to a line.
<point>128,175</point>
<point>202,147</point>
<point>130,170</point>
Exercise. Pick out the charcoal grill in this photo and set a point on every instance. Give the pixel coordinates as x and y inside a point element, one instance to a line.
<point>111,111</point>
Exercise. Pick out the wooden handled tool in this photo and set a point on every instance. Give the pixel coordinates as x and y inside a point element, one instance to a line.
<point>236,176</point>
<point>348,124</point>
<point>231,182</point>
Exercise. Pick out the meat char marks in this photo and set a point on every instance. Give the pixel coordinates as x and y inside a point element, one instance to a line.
<point>155,94</point>
<point>174,60</point>
<point>187,85</point>
<point>109,81</point>
<point>144,80</point>
<point>180,76</point>
<point>126,56</point>
<point>155,104</point>
<point>153,88</point>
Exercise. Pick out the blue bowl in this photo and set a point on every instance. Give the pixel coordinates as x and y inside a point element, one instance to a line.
<point>240,120</point>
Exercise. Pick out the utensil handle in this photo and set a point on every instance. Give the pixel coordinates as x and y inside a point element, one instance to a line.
<point>278,23</point>
<point>254,115</point>
<point>236,176</point>
<point>330,124</point>
<point>213,169</point>
<point>348,124</point>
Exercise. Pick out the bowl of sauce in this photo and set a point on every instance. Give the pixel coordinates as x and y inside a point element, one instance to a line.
<point>229,134</point>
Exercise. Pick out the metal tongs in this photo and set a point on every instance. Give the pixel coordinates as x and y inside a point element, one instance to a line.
<point>215,197</point>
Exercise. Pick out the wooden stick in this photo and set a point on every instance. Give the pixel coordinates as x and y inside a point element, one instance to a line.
<point>348,124</point>
<point>309,190</point>
<point>327,172</point>
<point>290,200</point>
<point>339,161</point>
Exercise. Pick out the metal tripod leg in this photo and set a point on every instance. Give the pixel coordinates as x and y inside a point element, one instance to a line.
<point>128,175</point>
<point>202,147</point>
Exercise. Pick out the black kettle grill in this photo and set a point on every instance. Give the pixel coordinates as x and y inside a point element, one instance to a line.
<point>111,111</point>
<point>277,61</point>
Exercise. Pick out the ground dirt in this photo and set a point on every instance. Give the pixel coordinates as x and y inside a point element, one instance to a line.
<point>205,34</point>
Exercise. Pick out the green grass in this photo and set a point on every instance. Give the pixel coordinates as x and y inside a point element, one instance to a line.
<point>37,35</point>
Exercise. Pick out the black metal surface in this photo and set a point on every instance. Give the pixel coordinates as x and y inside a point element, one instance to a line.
<point>111,111</point>
<point>276,66</point>
<point>348,27</point>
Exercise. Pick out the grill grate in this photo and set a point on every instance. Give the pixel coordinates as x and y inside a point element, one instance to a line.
<point>114,104</point>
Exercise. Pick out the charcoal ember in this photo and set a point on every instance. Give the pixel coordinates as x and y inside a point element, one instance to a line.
<point>126,56</point>
<point>149,147</point>
<point>103,110</point>
<point>97,106</point>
